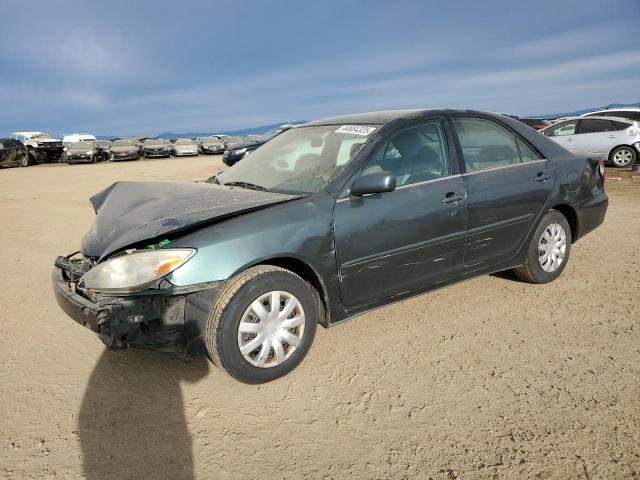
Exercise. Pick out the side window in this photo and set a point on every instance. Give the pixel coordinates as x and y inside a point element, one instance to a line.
<point>1,146</point>
<point>565,128</point>
<point>619,126</point>
<point>526,153</point>
<point>415,155</point>
<point>595,125</point>
<point>485,144</point>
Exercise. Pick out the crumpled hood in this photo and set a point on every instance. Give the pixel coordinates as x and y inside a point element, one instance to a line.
<point>131,212</point>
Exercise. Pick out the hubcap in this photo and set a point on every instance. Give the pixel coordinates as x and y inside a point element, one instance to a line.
<point>623,157</point>
<point>552,247</point>
<point>271,329</point>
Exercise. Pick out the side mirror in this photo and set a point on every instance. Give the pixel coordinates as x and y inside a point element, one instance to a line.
<point>377,182</point>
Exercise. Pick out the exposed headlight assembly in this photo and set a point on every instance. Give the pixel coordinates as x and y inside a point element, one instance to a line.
<point>135,271</point>
<point>239,151</point>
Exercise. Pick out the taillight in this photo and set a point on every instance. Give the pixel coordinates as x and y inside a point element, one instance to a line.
<point>601,168</point>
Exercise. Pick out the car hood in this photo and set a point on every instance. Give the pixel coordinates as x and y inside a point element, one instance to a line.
<point>124,149</point>
<point>128,213</point>
<point>186,146</point>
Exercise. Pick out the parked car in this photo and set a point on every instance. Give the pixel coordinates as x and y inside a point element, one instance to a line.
<point>104,146</point>
<point>40,146</point>
<point>629,113</point>
<point>77,137</point>
<point>212,145</point>
<point>615,139</point>
<point>325,221</point>
<point>13,153</point>
<point>124,150</point>
<point>86,151</point>
<point>237,151</point>
<point>537,123</point>
<point>185,146</point>
<point>157,147</point>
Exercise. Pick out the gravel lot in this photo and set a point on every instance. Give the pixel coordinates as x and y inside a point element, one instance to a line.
<point>491,378</point>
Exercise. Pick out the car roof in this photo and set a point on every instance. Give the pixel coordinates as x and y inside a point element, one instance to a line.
<point>597,117</point>
<point>628,109</point>
<point>386,116</point>
<point>27,134</point>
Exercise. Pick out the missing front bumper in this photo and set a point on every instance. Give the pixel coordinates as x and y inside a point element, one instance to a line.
<point>169,320</point>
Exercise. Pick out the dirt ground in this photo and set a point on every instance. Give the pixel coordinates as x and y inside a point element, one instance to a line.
<point>491,378</point>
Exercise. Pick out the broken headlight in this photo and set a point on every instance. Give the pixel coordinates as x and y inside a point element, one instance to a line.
<point>136,270</point>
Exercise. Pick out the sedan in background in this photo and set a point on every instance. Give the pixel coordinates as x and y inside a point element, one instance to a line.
<point>614,139</point>
<point>236,152</point>
<point>157,147</point>
<point>86,151</point>
<point>212,145</point>
<point>537,123</point>
<point>124,150</point>
<point>13,153</point>
<point>325,221</point>
<point>184,147</point>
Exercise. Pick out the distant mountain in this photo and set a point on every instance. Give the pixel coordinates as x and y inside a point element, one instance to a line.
<point>587,110</point>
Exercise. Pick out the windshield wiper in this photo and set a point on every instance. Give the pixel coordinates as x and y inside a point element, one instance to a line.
<point>250,186</point>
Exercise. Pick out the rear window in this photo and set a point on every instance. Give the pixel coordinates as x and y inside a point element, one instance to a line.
<point>620,125</point>
<point>594,125</point>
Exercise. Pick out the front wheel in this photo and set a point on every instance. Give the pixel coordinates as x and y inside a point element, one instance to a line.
<point>549,250</point>
<point>262,324</point>
<point>24,160</point>
<point>622,157</point>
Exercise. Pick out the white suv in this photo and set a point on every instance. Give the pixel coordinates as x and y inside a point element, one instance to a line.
<point>615,139</point>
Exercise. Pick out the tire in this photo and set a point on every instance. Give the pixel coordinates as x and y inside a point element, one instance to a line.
<point>533,271</point>
<point>234,305</point>
<point>23,161</point>
<point>621,157</point>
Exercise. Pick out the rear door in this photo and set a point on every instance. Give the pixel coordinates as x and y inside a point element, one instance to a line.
<point>399,241</point>
<point>594,137</point>
<point>507,183</point>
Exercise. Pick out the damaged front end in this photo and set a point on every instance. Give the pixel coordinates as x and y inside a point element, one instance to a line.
<point>153,318</point>
<point>46,152</point>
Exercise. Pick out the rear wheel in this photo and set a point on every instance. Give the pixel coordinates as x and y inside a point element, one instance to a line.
<point>262,324</point>
<point>549,250</point>
<point>622,157</point>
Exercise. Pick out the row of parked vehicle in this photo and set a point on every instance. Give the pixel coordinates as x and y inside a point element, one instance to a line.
<point>22,149</point>
<point>612,135</point>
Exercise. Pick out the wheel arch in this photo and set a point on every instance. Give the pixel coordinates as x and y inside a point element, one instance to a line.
<point>618,146</point>
<point>308,274</point>
<point>572,218</point>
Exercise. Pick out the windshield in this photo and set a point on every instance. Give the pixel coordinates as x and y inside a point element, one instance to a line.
<point>123,143</point>
<point>302,159</point>
<point>184,141</point>
<point>211,140</point>
<point>155,141</point>
<point>84,144</point>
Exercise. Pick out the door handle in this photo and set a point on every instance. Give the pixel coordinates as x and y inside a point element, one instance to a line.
<point>452,197</point>
<point>541,177</point>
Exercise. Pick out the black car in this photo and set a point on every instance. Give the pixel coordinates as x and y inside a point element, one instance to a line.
<point>327,220</point>
<point>13,153</point>
<point>86,151</point>
<point>157,147</point>
<point>237,151</point>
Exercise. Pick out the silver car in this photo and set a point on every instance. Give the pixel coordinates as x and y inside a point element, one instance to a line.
<point>185,146</point>
<point>612,138</point>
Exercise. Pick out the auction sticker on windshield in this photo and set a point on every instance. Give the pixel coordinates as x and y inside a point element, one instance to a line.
<point>356,129</point>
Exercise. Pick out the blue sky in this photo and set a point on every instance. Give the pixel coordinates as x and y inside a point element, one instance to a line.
<point>128,67</point>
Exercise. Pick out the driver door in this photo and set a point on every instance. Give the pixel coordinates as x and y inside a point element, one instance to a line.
<point>394,242</point>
